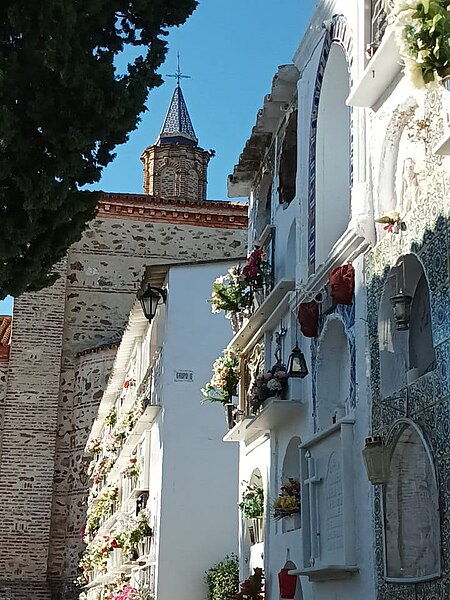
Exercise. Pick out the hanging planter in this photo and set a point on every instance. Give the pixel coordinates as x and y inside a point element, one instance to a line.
<point>308,318</point>
<point>342,283</point>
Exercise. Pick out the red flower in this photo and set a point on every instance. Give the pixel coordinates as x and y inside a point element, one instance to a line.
<point>114,544</point>
<point>126,384</point>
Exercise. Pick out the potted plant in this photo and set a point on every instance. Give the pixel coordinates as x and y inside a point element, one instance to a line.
<point>422,29</point>
<point>252,508</point>
<point>287,504</point>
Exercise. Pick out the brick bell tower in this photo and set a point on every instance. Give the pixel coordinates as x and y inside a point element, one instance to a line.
<point>175,166</point>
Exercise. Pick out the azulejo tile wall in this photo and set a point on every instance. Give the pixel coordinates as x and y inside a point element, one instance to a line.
<point>427,400</point>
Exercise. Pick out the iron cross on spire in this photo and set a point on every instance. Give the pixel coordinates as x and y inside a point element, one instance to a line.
<point>178,74</point>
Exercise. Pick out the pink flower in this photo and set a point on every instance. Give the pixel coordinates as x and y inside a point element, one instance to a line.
<point>280,374</point>
<point>268,376</point>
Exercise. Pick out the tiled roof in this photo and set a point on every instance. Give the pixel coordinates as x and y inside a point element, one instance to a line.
<point>177,126</point>
<point>5,336</point>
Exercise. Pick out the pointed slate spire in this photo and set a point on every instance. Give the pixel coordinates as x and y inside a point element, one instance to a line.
<point>177,126</point>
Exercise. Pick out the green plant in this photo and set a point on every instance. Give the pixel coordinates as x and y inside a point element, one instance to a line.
<point>226,375</point>
<point>223,579</point>
<point>111,417</point>
<point>252,504</point>
<point>424,29</point>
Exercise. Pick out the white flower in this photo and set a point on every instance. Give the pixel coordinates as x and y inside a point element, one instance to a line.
<point>414,72</point>
<point>273,385</point>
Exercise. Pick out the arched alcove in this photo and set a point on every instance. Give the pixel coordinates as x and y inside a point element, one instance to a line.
<point>254,524</point>
<point>333,160</point>
<point>263,205</point>
<point>411,508</point>
<point>333,374</point>
<point>405,355</point>
<point>288,161</point>
<point>291,470</point>
<point>291,252</point>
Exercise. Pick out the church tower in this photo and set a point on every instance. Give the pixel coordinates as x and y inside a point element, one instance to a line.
<point>175,166</point>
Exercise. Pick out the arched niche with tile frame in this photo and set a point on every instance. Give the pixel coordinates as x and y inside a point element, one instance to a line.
<point>405,355</point>
<point>333,154</point>
<point>411,507</point>
<point>333,378</point>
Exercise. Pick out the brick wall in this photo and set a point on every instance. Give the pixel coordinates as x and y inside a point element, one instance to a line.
<point>28,441</point>
<point>176,171</point>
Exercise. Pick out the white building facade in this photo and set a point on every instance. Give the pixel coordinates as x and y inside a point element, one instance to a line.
<point>170,482</point>
<point>343,139</point>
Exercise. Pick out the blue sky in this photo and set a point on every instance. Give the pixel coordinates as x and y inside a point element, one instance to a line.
<point>231,49</point>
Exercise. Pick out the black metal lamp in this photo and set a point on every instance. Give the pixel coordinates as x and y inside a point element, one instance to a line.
<point>296,365</point>
<point>150,300</point>
<point>401,307</point>
<point>376,461</point>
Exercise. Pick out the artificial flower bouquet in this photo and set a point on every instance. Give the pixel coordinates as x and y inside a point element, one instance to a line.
<point>252,503</point>
<point>226,375</point>
<point>288,501</point>
<point>423,30</point>
<point>268,384</point>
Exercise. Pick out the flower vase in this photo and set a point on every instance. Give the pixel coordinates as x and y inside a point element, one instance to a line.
<point>444,73</point>
<point>230,415</point>
<point>258,297</point>
<point>291,522</point>
<point>257,526</point>
<point>141,548</point>
<point>237,320</point>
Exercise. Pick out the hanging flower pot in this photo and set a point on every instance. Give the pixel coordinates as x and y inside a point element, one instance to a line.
<point>308,317</point>
<point>342,282</point>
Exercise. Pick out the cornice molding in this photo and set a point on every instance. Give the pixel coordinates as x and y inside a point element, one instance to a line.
<point>141,207</point>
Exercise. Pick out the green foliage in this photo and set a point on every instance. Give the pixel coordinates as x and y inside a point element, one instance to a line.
<point>223,579</point>
<point>425,35</point>
<point>252,504</point>
<point>64,107</point>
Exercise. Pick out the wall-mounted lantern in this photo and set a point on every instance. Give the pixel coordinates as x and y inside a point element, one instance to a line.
<point>296,365</point>
<point>401,307</point>
<point>287,583</point>
<point>150,300</point>
<point>376,460</point>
